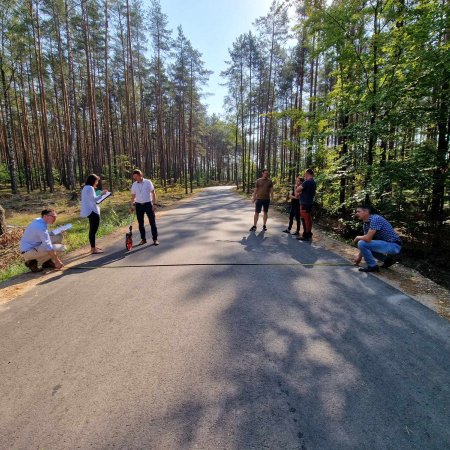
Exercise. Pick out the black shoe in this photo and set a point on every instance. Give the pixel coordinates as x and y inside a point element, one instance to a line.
<point>33,265</point>
<point>388,262</point>
<point>143,241</point>
<point>264,228</point>
<point>155,242</point>
<point>305,237</point>
<point>253,228</point>
<point>369,269</point>
<point>49,264</point>
<point>297,233</point>
<point>287,231</point>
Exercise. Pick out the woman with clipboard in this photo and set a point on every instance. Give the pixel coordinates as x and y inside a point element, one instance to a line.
<point>90,208</point>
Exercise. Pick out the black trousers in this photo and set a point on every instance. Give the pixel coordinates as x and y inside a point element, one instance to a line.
<point>94,223</point>
<point>141,210</point>
<point>294,213</point>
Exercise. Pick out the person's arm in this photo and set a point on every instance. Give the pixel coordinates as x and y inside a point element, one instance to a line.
<point>254,193</point>
<point>45,238</point>
<point>366,237</point>
<point>55,258</point>
<point>99,196</point>
<point>153,194</point>
<point>297,192</point>
<point>133,200</point>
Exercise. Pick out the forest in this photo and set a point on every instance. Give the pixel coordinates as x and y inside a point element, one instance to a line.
<point>357,90</point>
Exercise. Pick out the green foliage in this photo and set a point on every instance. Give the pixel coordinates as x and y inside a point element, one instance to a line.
<point>12,270</point>
<point>4,174</point>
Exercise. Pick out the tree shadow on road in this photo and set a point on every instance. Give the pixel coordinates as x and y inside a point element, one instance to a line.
<point>299,357</point>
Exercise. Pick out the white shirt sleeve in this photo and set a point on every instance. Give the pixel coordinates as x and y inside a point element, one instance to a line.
<point>89,201</point>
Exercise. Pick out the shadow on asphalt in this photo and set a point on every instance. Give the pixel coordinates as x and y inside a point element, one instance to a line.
<point>374,392</point>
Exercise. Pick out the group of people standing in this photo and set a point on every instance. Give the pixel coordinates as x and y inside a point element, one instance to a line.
<point>302,200</point>
<point>39,246</point>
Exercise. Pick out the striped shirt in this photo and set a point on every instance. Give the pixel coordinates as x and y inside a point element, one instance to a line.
<point>384,230</point>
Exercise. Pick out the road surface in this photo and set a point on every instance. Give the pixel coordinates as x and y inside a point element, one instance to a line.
<point>221,339</point>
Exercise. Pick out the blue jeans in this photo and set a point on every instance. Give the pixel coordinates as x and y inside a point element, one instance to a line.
<point>377,249</point>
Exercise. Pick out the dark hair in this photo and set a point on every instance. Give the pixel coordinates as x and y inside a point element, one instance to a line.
<point>137,172</point>
<point>365,207</point>
<point>301,179</point>
<point>44,212</point>
<point>91,179</point>
<point>310,171</point>
<point>264,170</point>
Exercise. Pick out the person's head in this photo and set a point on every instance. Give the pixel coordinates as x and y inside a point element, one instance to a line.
<point>309,173</point>
<point>300,180</point>
<point>92,180</point>
<point>265,173</point>
<point>49,215</point>
<point>137,175</point>
<point>363,212</point>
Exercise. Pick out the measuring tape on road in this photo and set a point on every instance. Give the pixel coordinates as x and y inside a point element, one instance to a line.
<point>324,264</point>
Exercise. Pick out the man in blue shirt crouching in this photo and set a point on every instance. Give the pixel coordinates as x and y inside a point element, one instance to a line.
<point>38,246</point>
<point>379,240</point>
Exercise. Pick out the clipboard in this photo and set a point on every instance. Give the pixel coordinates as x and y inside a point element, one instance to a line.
<point>60,229</point>
<point>103,197</point>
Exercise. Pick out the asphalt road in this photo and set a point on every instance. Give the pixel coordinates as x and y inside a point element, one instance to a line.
<point>151,351</point>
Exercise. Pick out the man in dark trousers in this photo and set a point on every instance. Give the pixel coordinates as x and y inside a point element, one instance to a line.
<point>143,197</point>
<point>262,195</point>
<point>379,240</point>
<point>307,193</point>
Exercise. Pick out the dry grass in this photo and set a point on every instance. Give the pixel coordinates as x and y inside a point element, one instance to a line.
<point>9,247</point>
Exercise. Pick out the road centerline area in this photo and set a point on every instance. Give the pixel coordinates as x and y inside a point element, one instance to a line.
<point>224,344</point>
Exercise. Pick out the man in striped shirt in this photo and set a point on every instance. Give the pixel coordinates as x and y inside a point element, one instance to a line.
<point>379,241</point>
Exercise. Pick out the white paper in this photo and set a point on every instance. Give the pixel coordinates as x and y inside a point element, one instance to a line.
<point>106,195</point>
<point>62,228</point>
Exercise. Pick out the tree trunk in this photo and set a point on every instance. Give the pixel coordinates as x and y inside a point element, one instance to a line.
<point>6,112</point>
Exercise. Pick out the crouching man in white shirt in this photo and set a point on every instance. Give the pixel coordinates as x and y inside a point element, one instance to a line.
<point>38,246</point>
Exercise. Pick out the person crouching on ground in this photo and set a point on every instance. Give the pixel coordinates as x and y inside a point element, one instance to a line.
<point>262,196</point>
<point>90,209</point>
<point>38,246</point>
<point>379,241</point>
<point>295,207</point>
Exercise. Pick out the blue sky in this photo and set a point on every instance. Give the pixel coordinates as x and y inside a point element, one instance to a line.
<point>212,26</point>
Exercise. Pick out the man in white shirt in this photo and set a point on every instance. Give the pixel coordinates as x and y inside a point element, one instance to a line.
<point>143,198</point>
<point>39,246</point>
